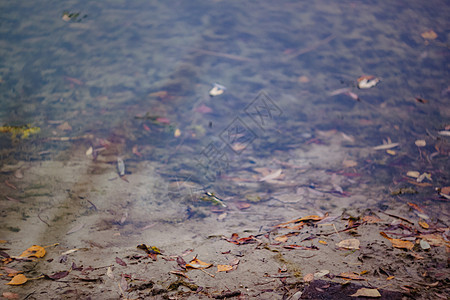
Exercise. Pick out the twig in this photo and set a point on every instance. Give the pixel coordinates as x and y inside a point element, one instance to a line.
<point>39,217</point>
<point>207,273</point>
<point>311,48</point>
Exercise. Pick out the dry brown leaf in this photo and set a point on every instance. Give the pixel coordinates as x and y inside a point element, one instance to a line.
<point>434,240</point>
<point>224,268</point>
<point>308,277</point>
<point>33,251</point>
<point>281,239</point>
<point>65,127</point>
<point>198,264</point>
<point>371,219</point>
<point>365,292</point>
<point>9,295</point>
<point>349,244</point>
<point>352,276</point>
<point>18,280</point>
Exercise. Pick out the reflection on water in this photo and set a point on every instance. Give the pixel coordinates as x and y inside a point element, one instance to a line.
<point>291,133</point>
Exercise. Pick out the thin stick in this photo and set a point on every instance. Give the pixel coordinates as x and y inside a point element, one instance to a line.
<point>39,217</point>
<point>311,48</point>
<point>207,273</point>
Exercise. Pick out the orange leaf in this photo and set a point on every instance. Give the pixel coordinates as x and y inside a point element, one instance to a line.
<point>424,224</point>
<point>18,280</point>
<point>415,206</point>
<point>352,276</point>
<point>323,242</point>
<point>398,243</point>
<point>33,251</point>
<point>371,219</point>
<point>429,35</point>
<point>197,264</point>
<point>310,218</point>
<point>224,268</point>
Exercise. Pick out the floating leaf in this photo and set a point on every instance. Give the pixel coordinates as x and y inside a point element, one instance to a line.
<point>33,251</point>
<point>365,292</point>
<point>198,264</point>
<point>349,244</point>
<point>366,82</point>
<point>386,146</point>
<point>398,243</point>
<point>18,280</point>
<point>413,174</point>
<point>217,90</point>
<point>420,143</point>
<point>429,35</point>
<point>224,268</point>
<point>272,176</point>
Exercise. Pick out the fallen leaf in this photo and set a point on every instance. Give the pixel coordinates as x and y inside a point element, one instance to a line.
<point>366,82</point>
<point>347,163</point>
<point>352,276</point>
<point>424,245</point>
<point>198,264</point>
<point>390,278</point>
<point>11,272</point>
<point>429,35</point>
<point>121,262</point>
<point>110,273</point>
<point>435,240</point>
<point>203,109</point>
<point>241,241</point>
<point>65,127</point>
<point>177,133</point>
<point>58,275</point>
<point>420,143</point>
<point>349,244</point>
<point>308,277</point>
<point>272,175</point>
<point>424,224</point>
<point>323,242</point>
<point>365,292</point>
<point>33,251</point>
<point>386,146</point>
<point>415,206</point>
<point>159,94</point>
<point>398,243</point>
<point>18,280</point>
<point>224,268</point>
<point>413,174</point>
<point>242,205</point>
<point>321,273</point>
<point>281,239</point>
<point>217,90</point>
<point>75,228</point>
<point>9,295</point>
<point>371,219</point>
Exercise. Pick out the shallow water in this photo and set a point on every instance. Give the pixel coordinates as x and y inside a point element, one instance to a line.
<point>113,79</point>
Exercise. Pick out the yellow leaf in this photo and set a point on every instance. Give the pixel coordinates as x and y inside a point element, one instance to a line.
<point>18,280</point>
<point>33,251</point>
<point>424,224</point>
<point>198,264</point>
<point>177,133</point>
<point>224,268</point>
<point>390,278</point>
<point>310,218</point>
<point>323,242</point>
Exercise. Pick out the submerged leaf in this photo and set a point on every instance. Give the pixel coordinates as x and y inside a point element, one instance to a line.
<point>365,292</point>
<point>33,251</point>
<point>18,280</point>
<point>398,243</point>
<point>349,244</point>
<point>224,268</point>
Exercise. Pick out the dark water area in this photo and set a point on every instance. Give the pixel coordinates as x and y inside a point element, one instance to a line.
<point>295,131</point>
